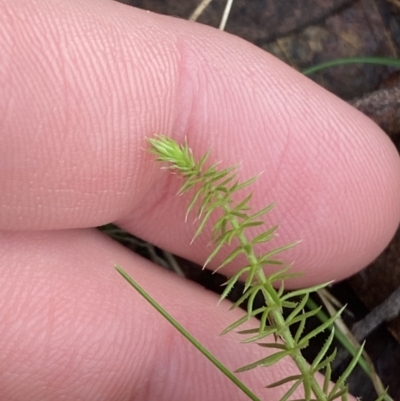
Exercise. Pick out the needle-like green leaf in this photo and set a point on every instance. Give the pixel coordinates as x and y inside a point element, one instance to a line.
<point>217,190</point>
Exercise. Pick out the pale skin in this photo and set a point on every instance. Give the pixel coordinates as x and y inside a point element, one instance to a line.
<point>83,84</point>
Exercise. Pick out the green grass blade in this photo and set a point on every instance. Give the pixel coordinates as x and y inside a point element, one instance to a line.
<point>389,62</point>
<point>187,335</point>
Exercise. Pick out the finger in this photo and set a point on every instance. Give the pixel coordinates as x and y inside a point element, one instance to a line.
<point>73,329</point>
<point>85,86</point>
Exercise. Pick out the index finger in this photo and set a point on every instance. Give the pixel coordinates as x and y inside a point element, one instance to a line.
<point>82,89</point>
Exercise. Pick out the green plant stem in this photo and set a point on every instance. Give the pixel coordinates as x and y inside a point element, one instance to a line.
<point>186,334</point>
<point>270,294</point>
<point>389,62</point>
<point>214,189</point>
<point>339,335</point>
<point>364,364</point>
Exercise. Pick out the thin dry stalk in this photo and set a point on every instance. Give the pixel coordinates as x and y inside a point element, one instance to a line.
<point>199,10</point>
<point>225,15</point>
<point>204,4</point>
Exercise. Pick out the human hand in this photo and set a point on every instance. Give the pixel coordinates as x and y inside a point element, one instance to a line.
<point>83,84</point>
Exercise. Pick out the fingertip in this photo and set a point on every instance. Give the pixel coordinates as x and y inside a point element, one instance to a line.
<point>77,157</point>
<point>73,329</point>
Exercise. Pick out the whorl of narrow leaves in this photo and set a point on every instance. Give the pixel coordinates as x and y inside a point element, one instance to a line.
<point>213,191</point>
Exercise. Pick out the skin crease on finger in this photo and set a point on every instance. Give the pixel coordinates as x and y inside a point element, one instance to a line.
<point>89,81</point>
<point>71,328</point>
